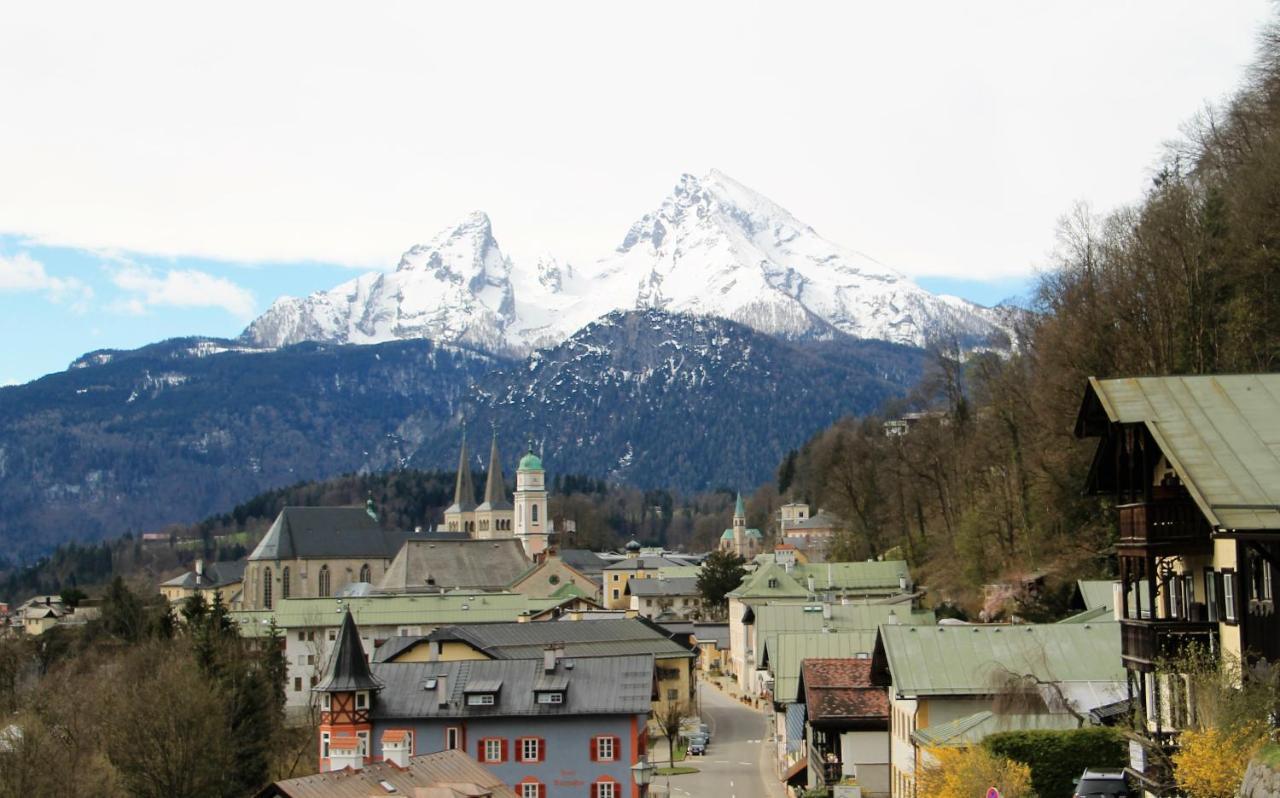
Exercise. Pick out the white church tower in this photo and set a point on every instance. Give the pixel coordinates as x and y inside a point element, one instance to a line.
<point>532,524</point>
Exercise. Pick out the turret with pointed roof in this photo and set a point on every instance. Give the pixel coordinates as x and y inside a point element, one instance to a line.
<point>348,669</point>
<point>460,517</point>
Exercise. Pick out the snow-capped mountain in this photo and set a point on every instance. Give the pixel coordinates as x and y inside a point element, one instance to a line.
<point>712,248</point>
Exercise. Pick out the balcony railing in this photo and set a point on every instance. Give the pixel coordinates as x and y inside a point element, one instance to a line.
<point>1144,642</point>
<point>1175,525</point>
<point>832,772</point>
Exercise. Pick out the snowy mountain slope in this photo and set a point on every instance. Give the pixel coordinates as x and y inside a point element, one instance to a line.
<point>712,248</point>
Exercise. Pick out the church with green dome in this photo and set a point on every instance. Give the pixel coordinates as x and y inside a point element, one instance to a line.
<point>499,517</point>
<point>738,539</point>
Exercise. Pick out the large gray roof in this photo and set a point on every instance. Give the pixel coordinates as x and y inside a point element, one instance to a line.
<point>427,770</point>
<point>593,686</point>
<point>334,532</point>
<point>580,638</point>
<point>469,564</point>
<point>584,560</point>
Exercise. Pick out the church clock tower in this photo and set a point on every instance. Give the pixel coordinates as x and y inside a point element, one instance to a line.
<point>532,524</point>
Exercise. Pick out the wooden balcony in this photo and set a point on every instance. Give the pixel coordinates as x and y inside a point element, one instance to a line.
<point>1144,642</point>
<point>1163,527</point>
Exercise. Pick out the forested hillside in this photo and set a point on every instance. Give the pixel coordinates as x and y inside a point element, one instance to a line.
<point>1186,281</point>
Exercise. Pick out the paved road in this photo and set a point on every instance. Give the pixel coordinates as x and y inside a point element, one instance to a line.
<point>737,762</point>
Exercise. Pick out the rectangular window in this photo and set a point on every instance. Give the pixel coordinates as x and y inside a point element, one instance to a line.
<point>311,659</point>
<point>1211,594</point>
<point>550,698</point>
<point>530,789</point>
<point>302,636</point>
<point>493,750</point>
<point>363,739</point>
<point>452,738</point>
<point>604,749</point>
<point>1229,596</point>
<point>480,700</point>
<point>324,745</point>
<point>333,635</point>
<point>324,700</point>
<point>530,749</point>
<point>615,593</point>
<point>362,700</point>
<point>297,684</point>
<point>606,789</point>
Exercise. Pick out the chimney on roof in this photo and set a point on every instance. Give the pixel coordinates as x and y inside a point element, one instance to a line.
<point>830,579</point>
<point>551,655</point>
<point>344,752</point>
<point>826,610</point>
<point>417,530</point>
<point>811,584</point>
<point>199,570</point>
<point>442,689</point>
<point>892,620</point>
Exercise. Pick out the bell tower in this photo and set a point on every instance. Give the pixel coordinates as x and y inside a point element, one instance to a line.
<point>346,695</point>
<point>531,522</point>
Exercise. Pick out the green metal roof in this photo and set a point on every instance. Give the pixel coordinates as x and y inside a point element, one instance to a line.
<point>968,660</point>
<point>973,729</point>
<point>1094,615</point>
<point>394,610</point>
<point>530,462</point>
<point>771,580</point>
<point>773,619</point>
<point>728,535</point>
<point>1221,434</point>
<point>1096,593</point>
<point>789,651</point>
<point>739,508</point>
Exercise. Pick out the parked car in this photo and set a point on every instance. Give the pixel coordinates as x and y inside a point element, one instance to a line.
<point>705,729</point>
<point>1102,784</point>
<point>697,747</point>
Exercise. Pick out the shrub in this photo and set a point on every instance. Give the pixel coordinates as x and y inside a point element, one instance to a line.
<point>1057,758</point>
<point>969,772</point>
<point>1211,762</point>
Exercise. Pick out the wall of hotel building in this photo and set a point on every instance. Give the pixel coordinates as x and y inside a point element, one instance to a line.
<point>1224,556</point>
<point>306,651</point>
<point>566,769</point>
<point>907,715</point>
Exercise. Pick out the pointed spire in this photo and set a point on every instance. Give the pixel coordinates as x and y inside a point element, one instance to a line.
<point>348,669</point>
<point>464,493</point>
<point>739,509</point>
<point>495,486</point>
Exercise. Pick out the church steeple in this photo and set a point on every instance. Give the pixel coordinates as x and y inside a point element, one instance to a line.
<point>464,492</point>
<point>495,487</point>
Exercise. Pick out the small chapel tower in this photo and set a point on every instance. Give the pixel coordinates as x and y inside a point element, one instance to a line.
<point>346,696</point>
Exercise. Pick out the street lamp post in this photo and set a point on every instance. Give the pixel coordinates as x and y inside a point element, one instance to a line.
<point>642,773</point>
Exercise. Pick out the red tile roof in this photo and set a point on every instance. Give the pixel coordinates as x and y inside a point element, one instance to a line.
<point>838,689</point>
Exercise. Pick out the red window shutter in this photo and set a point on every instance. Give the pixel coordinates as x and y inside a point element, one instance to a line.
<point>503,746</point>
<point>542,750</point>
<point>480,750</point>
<point>617,749</point>
<point>595,757</point>
<point>595,786</point>
<point>542,791</point>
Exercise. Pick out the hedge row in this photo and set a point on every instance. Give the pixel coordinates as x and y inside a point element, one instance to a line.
<point>1057,758</point>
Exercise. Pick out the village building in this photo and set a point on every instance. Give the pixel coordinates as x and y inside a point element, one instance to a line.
<point>555,577</point>
<point>553,726</point>
<point>803,583</point>
<point>309,626</point>
<point>495,517</point>
<point>811,533</point>
<point>675,674</point>
<point>662,599</point>
<point>846,725</point>
<point>938,675</point>
<point>619,574</point>
<point>209,580</point>
<point>738,539</point>
<point>1192,466</point>
<point>317,551</point>
<point>444,774</point>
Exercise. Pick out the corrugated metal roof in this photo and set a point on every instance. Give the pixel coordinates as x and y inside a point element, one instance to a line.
<point>427,770</point>
<point>394,610</point>
<point>1096,592</point>
<point>1220,433</point>
<point>595,686</point>
<point>679,586</point>
<point>449,564</point>
<point>789,651</point>
<point>969,660</point>
<point>771,580</point>
<point>972,729</point>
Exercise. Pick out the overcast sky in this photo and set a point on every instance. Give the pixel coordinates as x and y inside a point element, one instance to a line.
<point>166,164</point>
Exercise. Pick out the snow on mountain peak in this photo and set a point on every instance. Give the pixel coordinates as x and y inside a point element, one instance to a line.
<point>712,247</point>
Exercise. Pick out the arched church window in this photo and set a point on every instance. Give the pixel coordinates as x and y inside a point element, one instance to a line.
<point>266,588</point>
<point>533,513</point>
<point>324,580</point>
<point>365,575</point>
<point>284,583</point>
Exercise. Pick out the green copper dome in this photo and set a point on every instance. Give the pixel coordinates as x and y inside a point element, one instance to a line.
<point>530,462</point>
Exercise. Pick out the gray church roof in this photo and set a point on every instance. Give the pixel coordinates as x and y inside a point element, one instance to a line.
<point>334,532</point>
<point>584,560</point>
<point>449,564</point>
<point>348,669</point>
<point>675,586</point>
<point>216,575</point>
<point>592,686</point>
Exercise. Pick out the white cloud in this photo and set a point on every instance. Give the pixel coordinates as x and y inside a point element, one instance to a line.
<point>941,138</point>
<point>22,273</point>
<point>179,288</point>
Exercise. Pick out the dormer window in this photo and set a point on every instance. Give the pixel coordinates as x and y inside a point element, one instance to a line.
<point>362,700</point>
<point>773,581</point>
<point>551,697</point>
<point>481,699</point>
